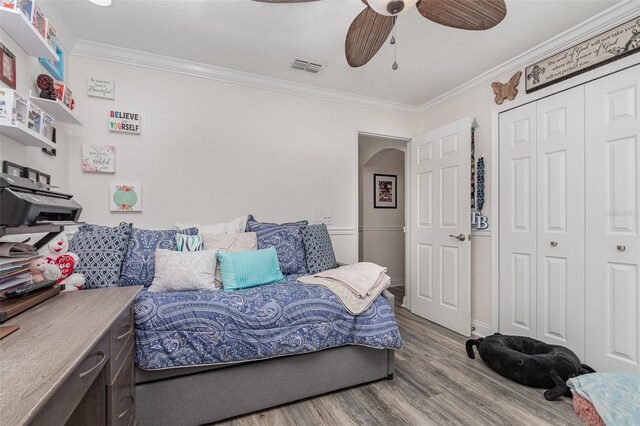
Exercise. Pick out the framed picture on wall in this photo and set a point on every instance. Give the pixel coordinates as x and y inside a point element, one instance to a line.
<point>385,191</point>
<point>44,178</point>
<point>31,174</point>
<point>13,169</point>
<point>7,67</point>
<point>51,151</point>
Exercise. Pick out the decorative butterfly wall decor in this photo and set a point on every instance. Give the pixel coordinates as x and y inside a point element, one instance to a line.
<point>508,90</point>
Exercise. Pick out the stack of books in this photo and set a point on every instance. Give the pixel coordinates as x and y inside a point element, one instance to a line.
<point>15,273</point>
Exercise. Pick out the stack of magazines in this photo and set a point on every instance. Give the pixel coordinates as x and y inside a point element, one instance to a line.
<point>14,273</point>
<point>15,268</point>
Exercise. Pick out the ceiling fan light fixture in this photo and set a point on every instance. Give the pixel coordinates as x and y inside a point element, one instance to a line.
<point>391,7</point>
<point>103,3</point>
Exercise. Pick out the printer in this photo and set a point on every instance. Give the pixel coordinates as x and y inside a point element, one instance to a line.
<point>26,203</point>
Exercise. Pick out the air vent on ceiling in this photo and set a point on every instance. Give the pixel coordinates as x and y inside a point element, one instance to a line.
<point>306,66</point>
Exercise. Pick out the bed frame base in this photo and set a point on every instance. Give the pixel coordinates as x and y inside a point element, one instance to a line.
<point>218,394</point>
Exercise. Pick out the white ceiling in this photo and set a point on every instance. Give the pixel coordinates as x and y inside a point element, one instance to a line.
<point>263,38</point>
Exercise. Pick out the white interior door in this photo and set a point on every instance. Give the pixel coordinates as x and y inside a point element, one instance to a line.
<point>561,216</point>
<point>518,221</point>
<point>613,221</point>
<point>440,250</point>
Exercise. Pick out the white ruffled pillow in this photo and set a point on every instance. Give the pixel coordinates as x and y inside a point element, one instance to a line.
<point>181,271</point>
<point>236,226</point>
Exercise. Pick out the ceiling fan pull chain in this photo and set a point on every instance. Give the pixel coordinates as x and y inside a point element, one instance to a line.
<point>395,46</point>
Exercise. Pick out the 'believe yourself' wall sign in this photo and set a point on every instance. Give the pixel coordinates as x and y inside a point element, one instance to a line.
<point>125,122</point>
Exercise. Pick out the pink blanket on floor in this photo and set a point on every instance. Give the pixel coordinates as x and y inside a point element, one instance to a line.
<point>586,411</point>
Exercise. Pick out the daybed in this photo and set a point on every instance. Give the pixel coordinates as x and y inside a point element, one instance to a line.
<point>205,355</point>
<point>204,394</point>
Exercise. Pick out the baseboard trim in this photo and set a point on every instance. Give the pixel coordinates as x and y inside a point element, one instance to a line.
<point>480,329</point>
<point>397,282</point>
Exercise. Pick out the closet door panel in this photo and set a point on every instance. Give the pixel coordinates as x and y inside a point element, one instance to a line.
<point>560,214</point>
<point>613,221</point>
<point>518,221</point>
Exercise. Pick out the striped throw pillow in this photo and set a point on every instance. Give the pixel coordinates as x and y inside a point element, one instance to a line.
<point>189,242</point>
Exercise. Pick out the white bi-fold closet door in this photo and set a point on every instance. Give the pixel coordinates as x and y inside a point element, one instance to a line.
<point>613,221</point>
<point>570,220</point>
<point>542,220</point>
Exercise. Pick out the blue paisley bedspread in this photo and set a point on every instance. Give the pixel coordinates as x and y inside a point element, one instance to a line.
<point>179,329</point>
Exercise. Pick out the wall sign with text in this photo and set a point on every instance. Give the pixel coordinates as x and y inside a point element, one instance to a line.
<point>607,47</point>
<point>99,158</point>
<point>125,122</point>
<point>99,88</point>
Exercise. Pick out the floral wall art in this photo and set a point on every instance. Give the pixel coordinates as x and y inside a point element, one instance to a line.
<point>98,158</point>
<point>125,198</point>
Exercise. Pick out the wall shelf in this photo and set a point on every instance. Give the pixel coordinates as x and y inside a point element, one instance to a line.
<point>25,34</point>
<point>26,136</point>
<point>57,109</point>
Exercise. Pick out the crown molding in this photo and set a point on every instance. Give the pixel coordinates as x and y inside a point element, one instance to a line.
<point>606,20</point>
<point>610,18</point>
<point>105,52</point>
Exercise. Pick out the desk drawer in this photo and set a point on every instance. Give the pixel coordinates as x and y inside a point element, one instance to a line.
<point>121,394</point>
<point>121,337</point>
<point>64,401</point>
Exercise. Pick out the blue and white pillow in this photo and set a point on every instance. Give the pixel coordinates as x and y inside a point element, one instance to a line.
<point>286,238</point>
<point>140,264</point>
<point>318,248</point>
<point>101,251</point>
<point>189,242</point>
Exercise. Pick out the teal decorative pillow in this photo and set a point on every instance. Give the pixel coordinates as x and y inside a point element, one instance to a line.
<point>189,242</point>
<point>245,269</point>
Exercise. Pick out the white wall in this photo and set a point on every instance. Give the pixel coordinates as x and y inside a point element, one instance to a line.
<point>211,151</point>
<point>382,234</point>
<point>477,104</point>
<point>381,238</point>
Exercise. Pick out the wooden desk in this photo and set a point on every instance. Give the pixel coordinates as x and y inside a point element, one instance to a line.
<point>71,361</point>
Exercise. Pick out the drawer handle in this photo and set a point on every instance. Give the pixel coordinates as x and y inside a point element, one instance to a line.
<point>130,398</point>
<point>128,332</point>
<point>103,358</point>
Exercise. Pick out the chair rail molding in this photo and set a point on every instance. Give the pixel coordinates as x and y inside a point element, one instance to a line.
<point>381,228</point>
<point>341,231</point>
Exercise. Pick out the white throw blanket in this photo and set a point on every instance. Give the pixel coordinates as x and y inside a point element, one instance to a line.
<point>352,303</point>
<point>360,278</point>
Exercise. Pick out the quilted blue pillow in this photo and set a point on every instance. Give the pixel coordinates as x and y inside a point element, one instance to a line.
<point>101,251</point>
<point>246,269</point>
<point>318,248</point>
<point>140,264</point>
<point>286,238</point>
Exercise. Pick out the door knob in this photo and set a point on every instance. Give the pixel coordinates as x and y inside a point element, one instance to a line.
<point>621,248</point>
<point>460,237</point>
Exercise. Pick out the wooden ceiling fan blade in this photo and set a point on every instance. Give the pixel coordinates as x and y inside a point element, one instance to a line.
<point>366,35</point>
<point>474,15</point>
<point>285,1</point>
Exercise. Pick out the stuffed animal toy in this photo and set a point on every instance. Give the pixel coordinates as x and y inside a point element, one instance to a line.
<point>56,254</point>
<point>530,362</point>
<point>42,270</point>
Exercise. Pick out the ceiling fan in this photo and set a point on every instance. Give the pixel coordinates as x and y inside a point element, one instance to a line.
<point>371,28</point>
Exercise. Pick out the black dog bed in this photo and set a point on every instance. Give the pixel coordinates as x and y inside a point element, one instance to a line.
<point>530,362</point>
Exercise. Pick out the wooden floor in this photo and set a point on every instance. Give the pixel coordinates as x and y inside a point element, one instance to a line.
<point>434,384</point>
